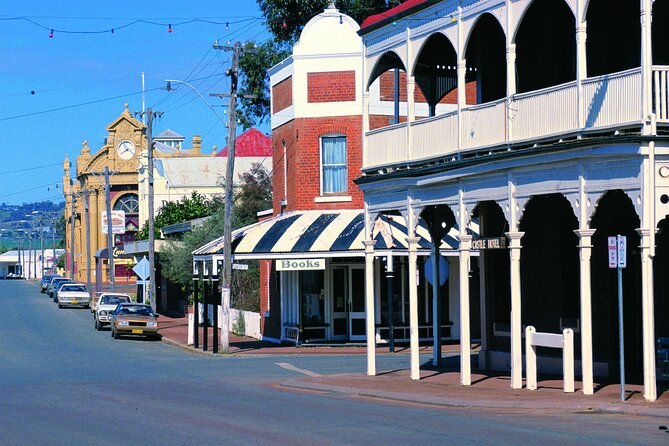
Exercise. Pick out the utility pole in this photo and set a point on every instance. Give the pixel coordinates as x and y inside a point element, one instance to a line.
<point>72,236</point>
<point>88,239</point>
<point>229,174</point>
<point>148,115</point>
<point>110,235</point>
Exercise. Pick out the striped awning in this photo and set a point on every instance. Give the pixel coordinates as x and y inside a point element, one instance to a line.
<point>323,234</point>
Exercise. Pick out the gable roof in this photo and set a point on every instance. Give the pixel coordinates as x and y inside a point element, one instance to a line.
<point>250,143</point>
<point>169,134</point>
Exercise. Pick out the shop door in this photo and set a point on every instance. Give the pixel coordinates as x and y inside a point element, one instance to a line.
<point>340,302</point>
<point>357,303</point>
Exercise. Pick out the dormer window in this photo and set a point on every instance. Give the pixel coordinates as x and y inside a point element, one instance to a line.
<point>334,169</point>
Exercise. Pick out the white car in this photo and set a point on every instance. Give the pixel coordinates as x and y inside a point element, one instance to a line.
<point>106,304</point>
<point>73,294</point>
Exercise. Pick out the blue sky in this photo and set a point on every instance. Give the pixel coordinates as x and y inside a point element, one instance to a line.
<point>74,68</point>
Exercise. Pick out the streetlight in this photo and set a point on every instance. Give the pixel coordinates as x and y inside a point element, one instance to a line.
<point>51,217</point>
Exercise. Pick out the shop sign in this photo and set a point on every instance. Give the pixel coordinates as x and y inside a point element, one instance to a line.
<point>489,243</point>
<point>118,222</point>
<point>300,264</point>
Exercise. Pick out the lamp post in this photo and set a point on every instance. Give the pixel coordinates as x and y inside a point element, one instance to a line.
<point>51,217</point>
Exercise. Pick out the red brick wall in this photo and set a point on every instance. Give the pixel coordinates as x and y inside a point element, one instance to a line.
<point>282,95</point>
<point>302,138</point>
<point>332,86</point>
<point>269,301</point>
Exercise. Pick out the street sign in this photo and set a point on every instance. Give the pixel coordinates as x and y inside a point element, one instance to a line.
<point>489,243</point>
<point>118,222</point>
<point>613,252</point>
<point>242,266</point>
<point>622,251</point>
<point>443,270</point>
<point>143,268</point>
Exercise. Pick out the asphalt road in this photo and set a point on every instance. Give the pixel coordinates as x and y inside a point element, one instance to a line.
<point>62,382</point>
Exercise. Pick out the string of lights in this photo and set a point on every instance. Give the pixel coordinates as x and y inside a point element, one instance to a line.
<point>163,23</point>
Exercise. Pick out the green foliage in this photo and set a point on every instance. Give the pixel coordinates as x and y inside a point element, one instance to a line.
<point>239,327</point>
<point>176,259</point>
<point>60,261</point>
<point>285,20</point>
<point>188,208</point>
<point>255,195</point>
<point>253,64</point>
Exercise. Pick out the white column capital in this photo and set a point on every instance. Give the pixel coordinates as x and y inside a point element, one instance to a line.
<point>465,241</point>
<point>514,238</point>
<point>413,243</point>
<point>369,246</point>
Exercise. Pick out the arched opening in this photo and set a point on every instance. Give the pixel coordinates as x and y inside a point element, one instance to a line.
<point>614,36</point>
<point>616,215</point>
<point>129,204</point>
<point>546,46</point>
<point>660,32</point>
<point>390,73</point>
<point>486,53</point>
<point>436,70</point>
<point>549,265</point>
<point>494,266</point>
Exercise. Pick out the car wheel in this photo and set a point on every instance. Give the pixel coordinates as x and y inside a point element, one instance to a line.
<point>114,334</point>
<point>97,325</point>
<point>60,306</point>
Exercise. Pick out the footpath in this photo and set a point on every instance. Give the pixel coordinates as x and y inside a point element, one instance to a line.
<point>438,386</point>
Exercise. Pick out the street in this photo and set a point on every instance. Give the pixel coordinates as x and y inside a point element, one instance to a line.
<point>62,382</point>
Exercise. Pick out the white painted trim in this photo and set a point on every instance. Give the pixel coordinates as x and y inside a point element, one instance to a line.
<point>333,199</point>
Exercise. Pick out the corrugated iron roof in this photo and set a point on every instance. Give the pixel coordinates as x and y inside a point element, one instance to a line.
<point>250,143</point>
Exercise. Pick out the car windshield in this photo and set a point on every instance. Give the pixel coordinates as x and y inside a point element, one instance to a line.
<point>74,288</point>
<point>136,310</point>
<point>113,300</point>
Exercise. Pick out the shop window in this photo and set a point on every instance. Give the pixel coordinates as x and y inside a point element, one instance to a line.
<point>313,299</point>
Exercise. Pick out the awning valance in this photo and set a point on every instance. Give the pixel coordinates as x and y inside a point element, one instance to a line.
<point>324,234</point>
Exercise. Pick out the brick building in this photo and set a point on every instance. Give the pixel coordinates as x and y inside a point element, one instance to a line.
<point>310,243</point>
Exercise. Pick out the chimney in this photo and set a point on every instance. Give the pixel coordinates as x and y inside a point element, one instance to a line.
<point>197,144</point>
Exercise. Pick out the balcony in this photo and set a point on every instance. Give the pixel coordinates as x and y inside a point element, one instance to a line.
<point>608,102</point>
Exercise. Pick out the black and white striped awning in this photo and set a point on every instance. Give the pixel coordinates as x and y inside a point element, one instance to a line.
<point>322,234</point>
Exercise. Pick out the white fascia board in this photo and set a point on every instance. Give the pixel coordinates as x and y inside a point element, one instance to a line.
<point>287,62</point>
<point>280,118</point>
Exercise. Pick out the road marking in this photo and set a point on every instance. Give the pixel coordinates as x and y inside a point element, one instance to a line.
<point>285,365</point>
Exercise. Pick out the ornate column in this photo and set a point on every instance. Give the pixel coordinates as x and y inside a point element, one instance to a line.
<point>365,128</point>
<point>581,70</point>
<point>465,341</point>
<point>646,59</point>
<point>585,251</point>
<point>648,317</point>
<point>369,307</point>
<point>413,305</point>
<point>411,112</point>
<point>516,328</point>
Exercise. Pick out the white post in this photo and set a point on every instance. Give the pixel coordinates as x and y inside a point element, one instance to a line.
<point>369,307</point>
<point>516,328</point>
<point>581,62</point>
<point>648,318</point>
<point>585,251</point>
<point>568,360</point>
<point>365,129</point>
<point>191,328</point>
<point>465,338</point>
<point>510,70</point>
<point>530,359</point>
<point>413,305</point>
<point>646,61</point>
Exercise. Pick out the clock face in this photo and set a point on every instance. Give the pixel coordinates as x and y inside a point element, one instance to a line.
<point>125,150</point>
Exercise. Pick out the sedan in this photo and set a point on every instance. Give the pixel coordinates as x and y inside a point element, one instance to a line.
<point>44,283</point>
<point>133,319</point>
<point>107,303</point>
<point>73,294</point>
<point>55,285</point>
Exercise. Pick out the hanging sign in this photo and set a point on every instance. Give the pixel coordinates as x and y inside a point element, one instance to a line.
<point>300,264</point>
<point>489,243</point>
<point>118,222</point>
<point>443,270</point>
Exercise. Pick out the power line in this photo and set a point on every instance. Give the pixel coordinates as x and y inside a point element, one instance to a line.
<point>27,169</point>
<point>96,101</point>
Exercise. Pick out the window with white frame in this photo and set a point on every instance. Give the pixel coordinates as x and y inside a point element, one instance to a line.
<point>334,170</point>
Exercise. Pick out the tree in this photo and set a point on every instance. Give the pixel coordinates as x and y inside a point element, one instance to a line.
<point>285,20</point>
<point>176,259</point>
<point>188,208</point>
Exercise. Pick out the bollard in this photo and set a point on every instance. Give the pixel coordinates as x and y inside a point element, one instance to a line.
<point>530,359</point>
<point>191,329</point>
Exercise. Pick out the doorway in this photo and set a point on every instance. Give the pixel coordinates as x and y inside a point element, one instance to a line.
<point>348,302</point>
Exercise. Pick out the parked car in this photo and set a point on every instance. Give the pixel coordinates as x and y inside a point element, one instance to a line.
<point>73,294</point>
<point>44,283</point>
<point>106,304</point>
<point>133,319</point>
<point>53,286</point>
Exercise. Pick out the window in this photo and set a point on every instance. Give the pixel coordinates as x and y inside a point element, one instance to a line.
<point>333,162</point>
